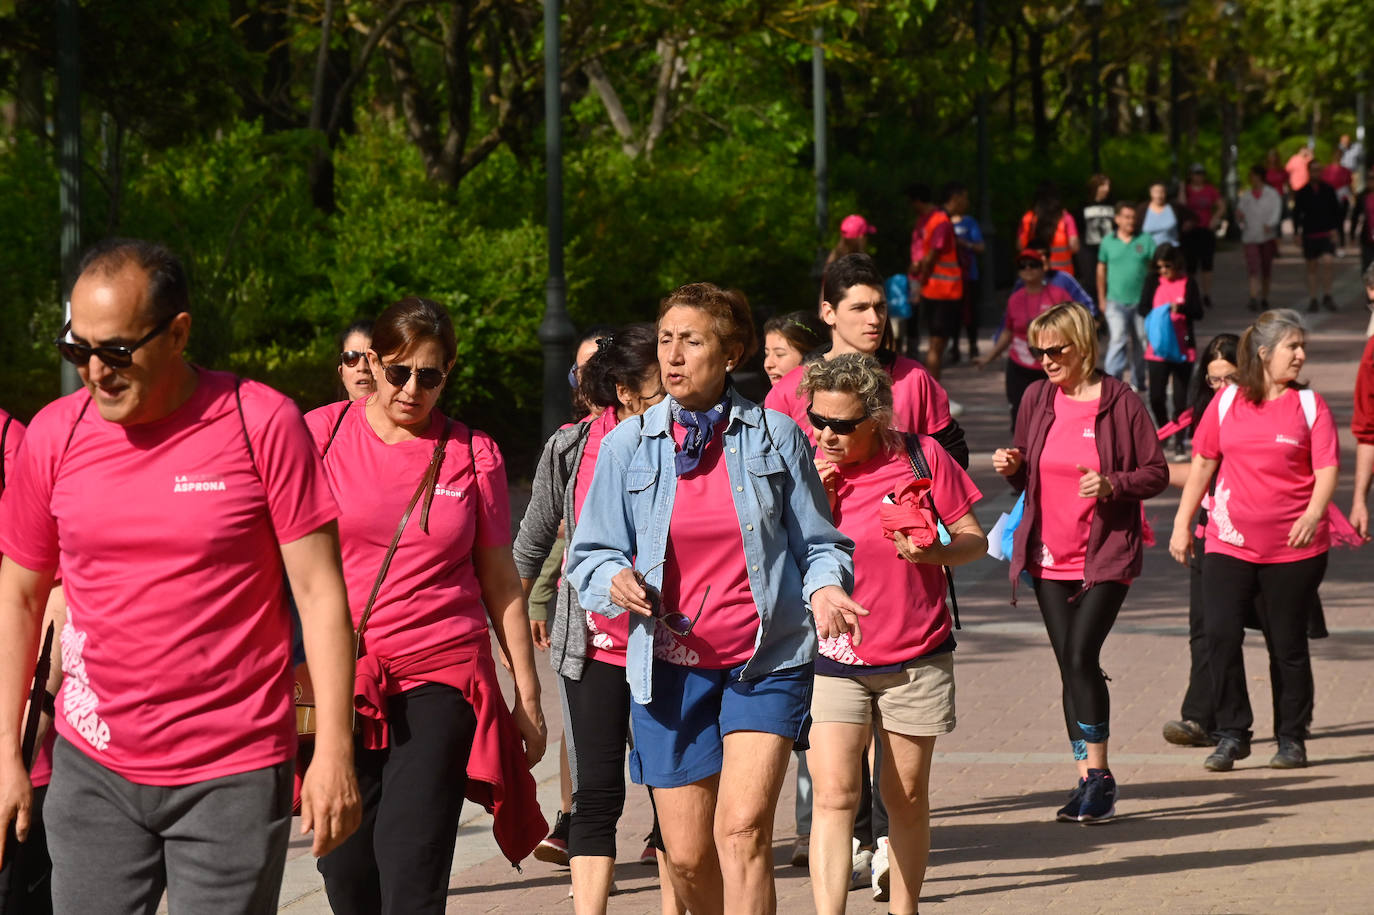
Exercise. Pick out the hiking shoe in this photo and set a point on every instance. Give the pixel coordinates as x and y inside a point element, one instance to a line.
<point>1099,797</point>
<point>1312,307</point>
<point>882,875</point>
<point>801,852</point>
<point>1253,305</point>
<point>554,848</point>
<point>861,873</point>
<point>1069,812</point>
<point>1187,733</point>
<point>1329,303</point>
<point>1223,758</point>
<point>1292,754</point>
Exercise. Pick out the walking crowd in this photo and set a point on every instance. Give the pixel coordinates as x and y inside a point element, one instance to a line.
<point>719,584</point>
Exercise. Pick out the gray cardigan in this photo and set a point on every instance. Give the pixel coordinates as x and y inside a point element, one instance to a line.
<point>551,501</point>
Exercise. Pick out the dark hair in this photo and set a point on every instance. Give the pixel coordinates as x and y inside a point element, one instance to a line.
<point>594,332</point>
<point>410,322</point>
<point>1047,213</point>
<point>1170,254</point>
<point>728,308</point>
<point>799,328</point>
<point>1095,182</point>
<point>847,272</point>
<point>951,189</point>
<point>624,356</point>
<point>361,326</point>
<point>1223,346</point>
<point>168,291</point>
<point>1259,169</point>
<point>1127,205</point>
<point>918,193</point>
<point>1268,331</point>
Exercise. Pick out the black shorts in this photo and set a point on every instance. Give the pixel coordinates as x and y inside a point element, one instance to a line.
<point>946,316</point>
<point>1313,248</point>
<point>1199,249</point>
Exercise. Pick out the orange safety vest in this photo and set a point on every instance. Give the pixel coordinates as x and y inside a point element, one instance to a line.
<point>1061,256</point>
<point>946,279</point>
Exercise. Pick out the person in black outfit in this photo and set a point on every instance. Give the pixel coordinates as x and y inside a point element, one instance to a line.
<point>1362,221</point>
<point>1169,267</point>
<point>1317,217</point>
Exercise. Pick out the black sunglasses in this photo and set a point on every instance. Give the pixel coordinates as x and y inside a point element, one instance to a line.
<point>1029,265</point>
<point>350,357</point>
<point>116,357</point>
<point>1054,352</point>
<point>397,375</point>
<point>677,621</point>
<point>839,426</point>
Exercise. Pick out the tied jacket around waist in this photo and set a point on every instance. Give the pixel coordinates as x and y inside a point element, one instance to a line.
<point>791,547</point>
<point>1131,459</point>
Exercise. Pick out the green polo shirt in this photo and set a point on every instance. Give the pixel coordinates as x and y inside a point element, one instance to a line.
<point>1127,265</point>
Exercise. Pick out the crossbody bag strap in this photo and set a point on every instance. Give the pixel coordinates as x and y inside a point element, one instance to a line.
<point>917,458</point>
<point>425,489</point>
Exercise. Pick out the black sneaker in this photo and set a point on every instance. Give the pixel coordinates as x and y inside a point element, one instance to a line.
<point>1264,304</point>
<point>1253,305</point>
<point>1329,303</point>
<point>1223,758</point>
<point>1312,307</point>
<point>1069,812</point>
<point>554,848</point>
<point>1292,754</point>
<point>1187,733</point>
<point>1099,797</point>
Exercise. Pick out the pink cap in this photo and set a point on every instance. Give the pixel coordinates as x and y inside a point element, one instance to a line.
<point>855,226</point>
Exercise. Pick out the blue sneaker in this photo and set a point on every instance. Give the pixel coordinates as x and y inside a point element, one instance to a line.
<point>1069,812</point>
<point>1099,797</point>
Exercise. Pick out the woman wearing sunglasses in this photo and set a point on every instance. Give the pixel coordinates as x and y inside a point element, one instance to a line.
<point>904,666</point>
<point>1032,298</point>
<point>434,727</point>
<point>619,381</point>
<point>707,521</point>
<point>1085,456</point>
<point>355,373</point>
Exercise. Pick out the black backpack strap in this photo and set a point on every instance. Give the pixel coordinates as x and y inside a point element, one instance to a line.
<point>243,424</point>
<point>4,436</point>
<point>71,433</point>
<point>921,469</point>
<point>335,431</point>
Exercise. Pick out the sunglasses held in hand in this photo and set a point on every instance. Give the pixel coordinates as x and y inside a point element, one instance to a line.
<point>678,623</point>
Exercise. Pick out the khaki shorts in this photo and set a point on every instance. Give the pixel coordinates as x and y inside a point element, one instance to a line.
<point>917,701</point>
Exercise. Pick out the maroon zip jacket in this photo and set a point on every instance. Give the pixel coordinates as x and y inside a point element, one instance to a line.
<point>1131,459</point>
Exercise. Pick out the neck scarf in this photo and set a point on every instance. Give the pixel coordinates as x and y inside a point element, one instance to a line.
<point>700,426</point>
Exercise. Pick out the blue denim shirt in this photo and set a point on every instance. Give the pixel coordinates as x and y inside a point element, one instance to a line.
<point>791,547</point>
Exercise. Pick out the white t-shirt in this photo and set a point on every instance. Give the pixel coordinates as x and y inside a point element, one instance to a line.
<point>1259,216</point>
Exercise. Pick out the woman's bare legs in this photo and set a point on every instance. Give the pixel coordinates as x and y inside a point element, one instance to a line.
<point>834,759</point>
<point>906,789</point>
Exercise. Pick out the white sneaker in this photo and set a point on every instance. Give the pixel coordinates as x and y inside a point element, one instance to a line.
<point>956,409</point>
<point>862,873</point>
<point>881,875</point>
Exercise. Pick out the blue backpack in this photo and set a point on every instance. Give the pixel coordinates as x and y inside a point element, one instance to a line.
<point>898,290</point>
<point>1159,330</point>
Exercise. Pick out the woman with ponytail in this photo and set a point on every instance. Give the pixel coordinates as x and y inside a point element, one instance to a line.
<point>1272,447</point>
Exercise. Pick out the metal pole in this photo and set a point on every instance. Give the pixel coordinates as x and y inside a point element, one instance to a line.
<point>1097,88</point>
<point>986,280</point>
<point>556,331</point>
<point>69,158</point>
<point>1174,129</point>
<point>822,159</point>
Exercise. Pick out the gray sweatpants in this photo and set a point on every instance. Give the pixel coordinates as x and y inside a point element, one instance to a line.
<point>217,847</point>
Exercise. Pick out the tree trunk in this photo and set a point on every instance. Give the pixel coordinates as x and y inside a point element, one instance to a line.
<point>1040,124</point>
<point>1012,79</point>
<point>1153,124</point>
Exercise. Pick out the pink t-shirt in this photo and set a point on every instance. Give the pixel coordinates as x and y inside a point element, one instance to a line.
<point>608,636</point>
<point>1202,201</point>
<point>706,547</point>
<point>1023,307</point>
<point>1336,175</point>
<point>1267,456</point>
<point>905,600</point>
<point>1065,517</point>
<point>14,436</point>
<point>430,597</point>
<point>1298,171</point>
<point>1166,293</point>
<point>176,652</point>
<point>919,403</point>
<point>1276,178</point>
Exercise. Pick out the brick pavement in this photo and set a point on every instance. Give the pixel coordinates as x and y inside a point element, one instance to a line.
<point>1186,840</point>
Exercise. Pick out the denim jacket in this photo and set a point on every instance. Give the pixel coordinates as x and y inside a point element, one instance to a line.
<point>791,547</point>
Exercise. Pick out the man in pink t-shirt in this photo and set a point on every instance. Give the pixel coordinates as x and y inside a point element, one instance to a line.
<point>171,497</point>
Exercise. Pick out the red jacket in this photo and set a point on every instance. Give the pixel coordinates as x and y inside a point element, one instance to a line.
<point>498,777</point>
<point>1363,423</point>
<point>1131,459</point>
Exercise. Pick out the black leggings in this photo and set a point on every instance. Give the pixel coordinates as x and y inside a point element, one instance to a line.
<point>1159,375</point>
<point>1231,587</point>
<point>597,715</point>
<point>400,858</point>
<point>1077,630</point>
<point>26,878</point>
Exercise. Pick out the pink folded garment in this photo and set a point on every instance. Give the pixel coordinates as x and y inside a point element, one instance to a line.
<point>908,515</point>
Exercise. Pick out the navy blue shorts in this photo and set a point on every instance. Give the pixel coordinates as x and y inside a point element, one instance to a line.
<point>678,737</point>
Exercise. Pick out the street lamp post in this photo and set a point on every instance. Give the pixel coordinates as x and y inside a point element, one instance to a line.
<point>69,156</point>
<point>1173,15</point>
<point>556,331</point>
<point>822,157</point>
<point>1094,11</point>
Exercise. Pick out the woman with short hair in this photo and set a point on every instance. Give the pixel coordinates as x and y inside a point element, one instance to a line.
<point>427,560</point>
<point>1085,454</point>
<point>1272,446</point>
<point>901,676</point>
<point>707,521</point>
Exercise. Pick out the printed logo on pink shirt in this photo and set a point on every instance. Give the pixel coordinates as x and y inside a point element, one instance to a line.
<point>1089,433</point>
<point>79,701</point>
<point>839,648</point>
<point>1286,440</point>
<point>1221,516</point>
<point>1046,557</point>
<point>669,649</point>
<point>599,639</point>
<point>451,493</point>
<point>198,482</point>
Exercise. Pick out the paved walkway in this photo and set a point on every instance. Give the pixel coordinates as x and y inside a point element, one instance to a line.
<point>1186,840</point>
